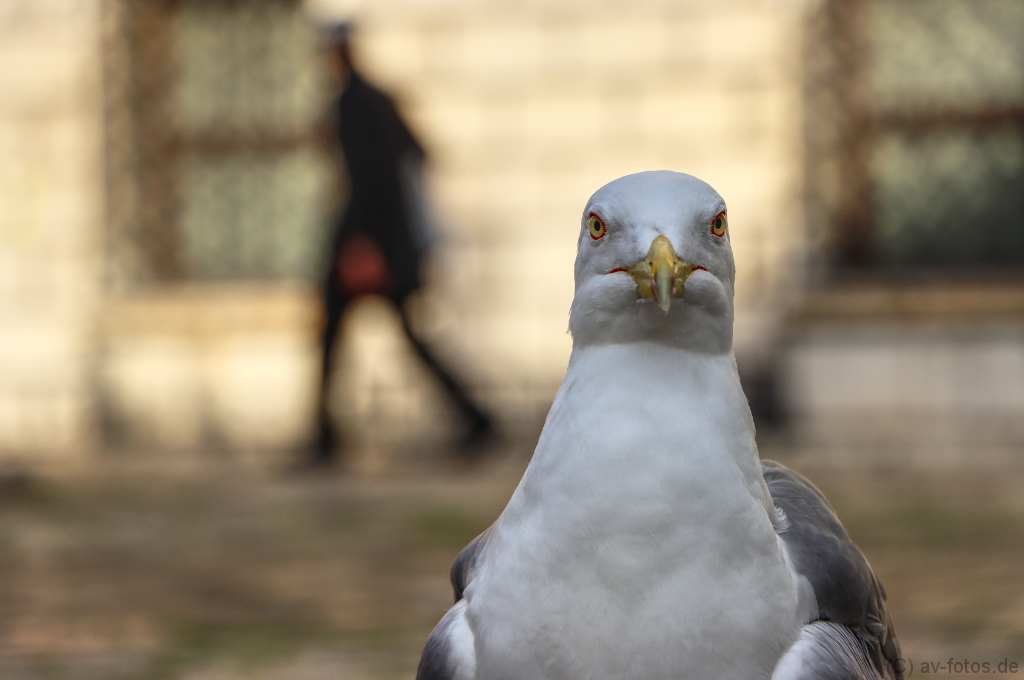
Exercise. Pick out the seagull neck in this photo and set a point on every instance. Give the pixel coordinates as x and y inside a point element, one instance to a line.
<point>614,396</point>
<point>642,384</point>
<point>680,376</point>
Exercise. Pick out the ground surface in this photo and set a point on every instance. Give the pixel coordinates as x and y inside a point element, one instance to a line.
<point>223,569</point>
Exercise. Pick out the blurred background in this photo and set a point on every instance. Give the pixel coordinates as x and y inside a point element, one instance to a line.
<point>165,215</point>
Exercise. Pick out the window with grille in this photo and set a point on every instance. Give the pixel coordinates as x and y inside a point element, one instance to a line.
<point>916,135</point>
<point>212,107</point>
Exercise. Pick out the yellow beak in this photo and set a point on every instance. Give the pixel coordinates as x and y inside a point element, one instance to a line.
<point>660,275</point>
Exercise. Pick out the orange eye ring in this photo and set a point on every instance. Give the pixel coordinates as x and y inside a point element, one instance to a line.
<point>719,224</point>
<point>597,228</point>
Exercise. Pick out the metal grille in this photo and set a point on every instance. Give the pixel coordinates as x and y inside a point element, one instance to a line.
<point>213,131</point>
<point>949,198</point>
<point>916,117</point>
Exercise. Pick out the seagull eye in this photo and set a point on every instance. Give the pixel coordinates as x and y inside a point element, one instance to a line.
<point>719,224</point>
<point>597,228</point>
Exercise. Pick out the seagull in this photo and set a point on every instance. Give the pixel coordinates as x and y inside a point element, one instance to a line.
<point>647,540</point>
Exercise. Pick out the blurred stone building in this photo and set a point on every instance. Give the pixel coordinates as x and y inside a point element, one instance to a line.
<point>164,204</point>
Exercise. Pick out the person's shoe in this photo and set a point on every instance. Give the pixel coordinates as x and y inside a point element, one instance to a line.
<point>324,453</point>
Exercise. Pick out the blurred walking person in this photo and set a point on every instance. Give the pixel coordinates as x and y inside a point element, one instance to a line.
<point>379,241</point>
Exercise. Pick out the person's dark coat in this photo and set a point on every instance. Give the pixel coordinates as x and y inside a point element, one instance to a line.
<point>379,150</point>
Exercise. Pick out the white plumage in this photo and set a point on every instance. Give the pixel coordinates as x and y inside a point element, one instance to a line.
<point>643,541</point>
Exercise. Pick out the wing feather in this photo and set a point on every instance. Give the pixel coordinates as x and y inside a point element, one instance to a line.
<point>848,593</point>
<point>449,654</point>
<point>466,564</point>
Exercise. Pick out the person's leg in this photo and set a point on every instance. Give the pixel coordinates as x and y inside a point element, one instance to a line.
<point>328,441</point>
<point>480,427</point>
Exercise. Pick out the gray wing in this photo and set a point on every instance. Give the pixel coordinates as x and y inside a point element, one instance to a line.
<point>853,637</point>
<point>440,656</point>
<point>468,561</point>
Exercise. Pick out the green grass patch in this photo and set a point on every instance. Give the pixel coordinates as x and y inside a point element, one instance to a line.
<point>445,526</point>
<point>247,645</point>
<point>931,522</point>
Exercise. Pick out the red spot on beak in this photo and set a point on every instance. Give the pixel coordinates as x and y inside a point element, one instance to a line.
<point>620,269</point>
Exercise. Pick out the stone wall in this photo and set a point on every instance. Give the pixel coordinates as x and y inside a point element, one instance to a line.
<point>50,225</point>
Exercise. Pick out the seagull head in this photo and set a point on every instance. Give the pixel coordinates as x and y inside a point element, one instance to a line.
<point>654,264</point>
